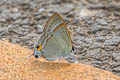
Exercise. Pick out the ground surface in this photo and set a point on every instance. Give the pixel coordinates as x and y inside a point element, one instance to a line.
<point>94,27</point>
<point>15,66</point>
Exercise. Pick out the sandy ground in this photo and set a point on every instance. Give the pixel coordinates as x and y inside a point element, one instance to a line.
<point>15,66</point>
<point>94,26</point>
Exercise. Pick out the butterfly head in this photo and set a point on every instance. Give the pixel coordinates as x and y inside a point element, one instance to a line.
<point>37,50</point>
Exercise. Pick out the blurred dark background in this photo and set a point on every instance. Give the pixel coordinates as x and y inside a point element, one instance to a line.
<point>94,27</point>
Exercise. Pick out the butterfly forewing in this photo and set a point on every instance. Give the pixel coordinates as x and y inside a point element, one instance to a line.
<point>52,22</point>
<point>50,25</point>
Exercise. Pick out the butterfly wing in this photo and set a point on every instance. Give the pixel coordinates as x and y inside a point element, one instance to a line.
<point>52,22</point>
<point>50,25</point>
<point>59,43</point>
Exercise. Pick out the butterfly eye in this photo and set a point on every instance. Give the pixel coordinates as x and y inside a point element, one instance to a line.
<point>39,47</point>
<point>36,56</point>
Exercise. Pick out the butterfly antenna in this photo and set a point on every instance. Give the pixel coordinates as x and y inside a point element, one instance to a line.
<point>34,44</point>
<point>34,48</point>
<point>29,55</point>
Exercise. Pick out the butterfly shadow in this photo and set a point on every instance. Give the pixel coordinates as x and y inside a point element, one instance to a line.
<point>49,65</point>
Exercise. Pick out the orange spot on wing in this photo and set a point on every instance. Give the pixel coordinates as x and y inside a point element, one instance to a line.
<point>39,47</point>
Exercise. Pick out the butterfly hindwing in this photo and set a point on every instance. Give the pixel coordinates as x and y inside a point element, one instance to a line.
<point>59,43</point>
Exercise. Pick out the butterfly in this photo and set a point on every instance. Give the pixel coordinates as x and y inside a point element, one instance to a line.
<point>55,40</point>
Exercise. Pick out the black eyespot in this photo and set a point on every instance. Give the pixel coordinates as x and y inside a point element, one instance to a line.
<point>73,48</point>
<point>37,47</point>
<point>36,56</point>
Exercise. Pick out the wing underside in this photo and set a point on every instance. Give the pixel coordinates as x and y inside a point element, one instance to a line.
<point>59,43</point>
<point>50,25</point>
